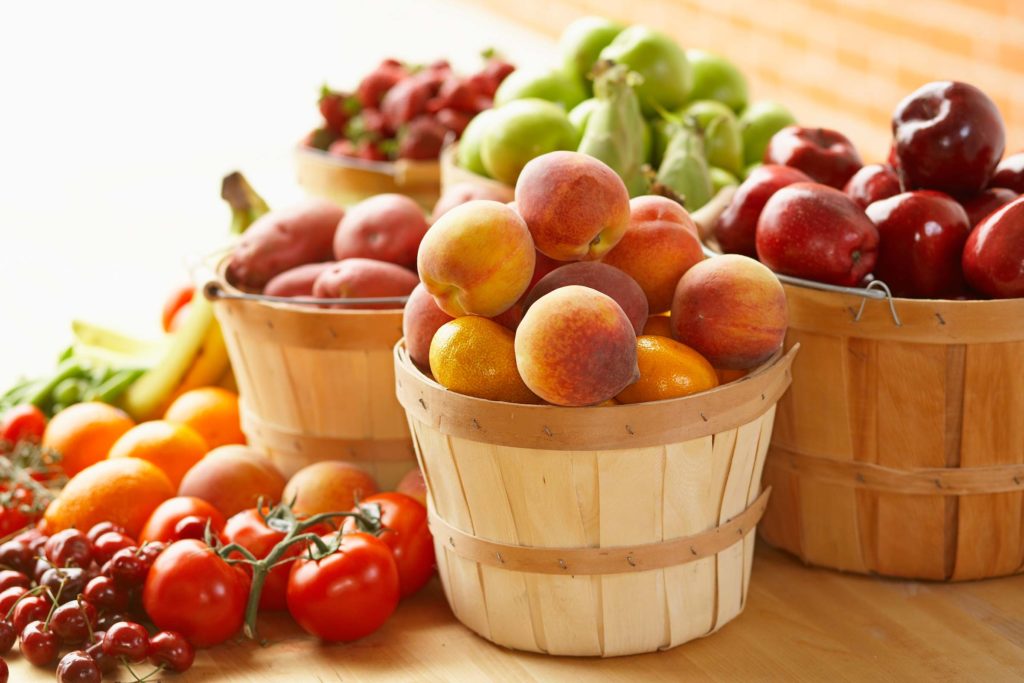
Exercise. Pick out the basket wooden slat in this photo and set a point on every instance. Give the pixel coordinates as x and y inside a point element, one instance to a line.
<point>601,493</point>
<point>348,181</point>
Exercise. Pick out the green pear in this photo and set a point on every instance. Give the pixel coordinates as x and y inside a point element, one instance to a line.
<point>580,114</point>
<point>521,130</point>
<point>758,123</point>
<point>659,60</point>
<point>712,77</point>
<point>553,85</point>
<point>721,178</point>
<point>582,42</point>
<point>468,154</point>
<point>723,144</point>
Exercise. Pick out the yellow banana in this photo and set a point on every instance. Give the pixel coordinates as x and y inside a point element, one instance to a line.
<point>209,366</point>
<point>91,335</point>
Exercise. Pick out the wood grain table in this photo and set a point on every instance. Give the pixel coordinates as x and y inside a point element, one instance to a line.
<point>800,624</point>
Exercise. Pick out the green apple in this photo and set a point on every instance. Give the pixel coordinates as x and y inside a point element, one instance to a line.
<point>721,178</point>
<point>520,131</point>
<point>580,114</point>
<point>712,77</point>
<point>722,142</point>
<point>553,85</point>
<point>659,60</point>
<point>468,154</point>
<point>582,42</point>
<point>758,123</point>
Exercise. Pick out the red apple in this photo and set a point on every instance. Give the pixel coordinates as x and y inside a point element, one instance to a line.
<point>1010,173</point>
<point>816,232</point>
<point>949,137</point>
<point>827,156</point>
<point>871,183</point>
<point>993,259</point>
<point>921,237</point>
<point>735,229</point>
<point>985,202</point>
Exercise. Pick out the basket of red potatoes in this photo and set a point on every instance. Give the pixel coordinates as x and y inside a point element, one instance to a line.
<point>569,372</point>
<point>905,283</point>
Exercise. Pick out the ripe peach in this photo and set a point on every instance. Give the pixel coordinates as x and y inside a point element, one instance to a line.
<point>576,206</point>
<point>576,347</point>
<point>420,321</point>
<point>732,310</point>
<point>477,259</point>
<point>386,227</point>
<point>363,277</point>
<point>413,485</point>
<point>460,193</point>
<point>328,486</point>
<point>544,265</point>
<point>605,279</point>
<point>232,479</point>
<point>659,246</point>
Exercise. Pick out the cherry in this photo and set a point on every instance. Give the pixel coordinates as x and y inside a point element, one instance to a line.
<point>127,639</point>
<point>40,567</point>
<point>101,528</point>
<point>69,548</point>
<point>105,594</point>
<point>190,526</point>
<point>64,584</point>
<point>8,598</point>
<point>7,636</point>
<point>78,667</point>
<point>10,578</point>
<point>4,671</point>
<point>105,662</point>
<point>71,621</point>
<point>37,544</point>
<point>128,569</point>
<point>152,549</point>
<point>170,649</point>
<point>17,556</point>
<point>39,644</point>
<point>108,619</point>
<point>109,543</point>
<point>32,608</point>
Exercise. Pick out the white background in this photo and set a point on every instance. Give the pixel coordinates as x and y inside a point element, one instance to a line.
<point>118,120</point>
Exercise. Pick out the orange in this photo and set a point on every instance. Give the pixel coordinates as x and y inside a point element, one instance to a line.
<point>668,369</point>
<point>660,325</point>
<point>476,356</point>
<point>123,491</point>
<point>83,433</point>
<point>726,376</point>
<point>212,412</point>
<point>172,447</point>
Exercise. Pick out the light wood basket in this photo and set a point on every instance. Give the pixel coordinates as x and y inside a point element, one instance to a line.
<point>316,383</point>
<point>348,181</point>
<point>597,531</point>
<point>899,449</point>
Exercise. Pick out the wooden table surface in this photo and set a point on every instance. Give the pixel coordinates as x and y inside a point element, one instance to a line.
<point>800,624</point>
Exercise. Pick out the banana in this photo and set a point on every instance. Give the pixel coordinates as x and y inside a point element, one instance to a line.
<point>209,366</point>
<point>93,335</point>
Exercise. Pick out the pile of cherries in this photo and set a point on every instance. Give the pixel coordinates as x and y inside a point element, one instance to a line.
<point>83,591</point>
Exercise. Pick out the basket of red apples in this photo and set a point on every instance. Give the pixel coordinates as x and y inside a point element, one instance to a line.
<point>899,449</point>
<point>387,134</point>
<point>593,470</point>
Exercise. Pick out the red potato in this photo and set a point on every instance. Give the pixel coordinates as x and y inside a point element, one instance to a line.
<point>298,281</point>
<point>364,278</point>
<point>385,227</point>
<point>284,239</point>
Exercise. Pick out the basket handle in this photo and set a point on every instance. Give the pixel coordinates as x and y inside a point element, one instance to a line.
<point>213,290</point>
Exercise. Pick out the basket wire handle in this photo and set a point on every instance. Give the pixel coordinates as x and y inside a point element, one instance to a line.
<point>213,291</point>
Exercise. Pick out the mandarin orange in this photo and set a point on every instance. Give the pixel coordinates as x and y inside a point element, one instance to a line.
<point>668,369</point>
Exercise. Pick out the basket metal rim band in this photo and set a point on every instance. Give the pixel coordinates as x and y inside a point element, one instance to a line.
<point>928,481</point>
<point>592,561</point>
<point>279,439</point>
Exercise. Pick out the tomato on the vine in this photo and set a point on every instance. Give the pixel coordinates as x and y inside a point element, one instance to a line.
<point>347,594</point>
<point>181,517</point>
<point>404,529</point>
<point>248,530</point>
<point>23,423</point>
<point>192,590</point>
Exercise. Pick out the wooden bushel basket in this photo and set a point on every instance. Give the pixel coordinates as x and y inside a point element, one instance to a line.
<point>899,449</point>
<point>316,383</point>
<point>594,531</point>
<point>348,181</point>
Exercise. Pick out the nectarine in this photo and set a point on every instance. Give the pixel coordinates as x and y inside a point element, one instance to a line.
<point>328,486</point>
<point>232,479</point>
<point>605,279</point>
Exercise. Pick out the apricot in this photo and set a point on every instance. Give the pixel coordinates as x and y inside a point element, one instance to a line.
<point>386,227</point>
<point>577,207</point>
<point>576,347</point>
<point>732,310</point>
<point>604,278</point>
<point>477,259</point>
<point>460,193</point>
<point>420,321</point>
<point>413,485</point>
<point>659,245</point>
<point>328,486</point>
<point>233,478</point>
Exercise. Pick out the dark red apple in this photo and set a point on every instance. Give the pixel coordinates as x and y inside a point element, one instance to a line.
<point>993,260</point>
<point>816,232</point>
<point>949,137</point>
<point>736,228</point>
<point>825,155</point>
<point>921,238</point>
<point>871,183</point>
<point>985,202</point>
<point>1010,173</point>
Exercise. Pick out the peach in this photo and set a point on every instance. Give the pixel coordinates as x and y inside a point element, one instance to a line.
<point>328,486</point>
<point>660,245</point>
<point>460,193</point>
<point>576,347</point>
<point>232,479</point>
<point>413,485</point>
<point>385,227</point>
<point>298,281</point>
<point>420,321</point>
<point>732,310</point>
<point>544,265</point>
<point>511,318</point>
<point>576,206</point>
<point>605,279</point>
<point>364,278</point>
<point>477,259</point>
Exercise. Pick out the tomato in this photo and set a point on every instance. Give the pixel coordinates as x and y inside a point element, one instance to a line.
<point>23,423</point>
<point>177,299</point>
<point>348,594</point>
<point>248,530</point>
<point>191,590</point>
<point>181,517</point>
<point>405,531</point>
<point>13,515</point>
